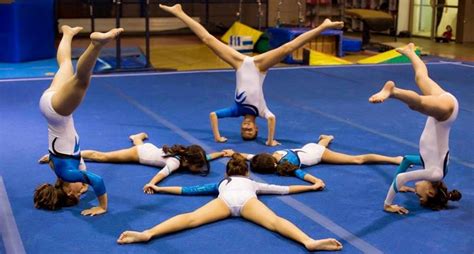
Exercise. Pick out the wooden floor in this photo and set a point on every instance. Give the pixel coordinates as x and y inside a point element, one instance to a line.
<point>186,52</point>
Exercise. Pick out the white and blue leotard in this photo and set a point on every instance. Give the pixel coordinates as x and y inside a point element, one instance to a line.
<point>249,99</point>
<point>64,149</point>
<point>434,154</point>
<point>235,191</point>
<point>307,156</point>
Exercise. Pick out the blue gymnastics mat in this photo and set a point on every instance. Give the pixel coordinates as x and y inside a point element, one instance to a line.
<point>173,108</point>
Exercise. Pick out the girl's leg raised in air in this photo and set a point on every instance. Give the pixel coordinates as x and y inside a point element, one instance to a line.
<point>69,94</point>
<point>437,106</point>
<point>63,57</point>
<point>268,59</point>
<point>223,51</point>
<point>423,81</point>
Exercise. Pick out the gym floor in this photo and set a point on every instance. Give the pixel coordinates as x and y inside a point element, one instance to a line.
<point>173,108</point>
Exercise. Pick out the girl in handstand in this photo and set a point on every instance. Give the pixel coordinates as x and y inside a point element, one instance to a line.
<point>250,74</point>
<point>237,196</point>
<point>57,104</point>
<point>441,108</point>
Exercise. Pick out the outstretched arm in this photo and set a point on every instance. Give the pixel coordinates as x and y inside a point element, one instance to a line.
<point>203,189</point>
<point>216,155</point>
<point>305,176</point>
<point>215,128</point>
<point>271,132</point>
<point>171,166</point>
<point>230,152</point>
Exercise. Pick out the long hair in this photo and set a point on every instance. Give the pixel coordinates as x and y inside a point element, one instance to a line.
<point>53,197</point>
<point>263,163</point>
<point>442,196</point>
<point>194,155</point>
<point>237,166</point>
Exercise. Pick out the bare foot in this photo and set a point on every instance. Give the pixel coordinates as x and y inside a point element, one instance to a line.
<point>333,24</point>
<point>410,48</point>
<point>140,136</point>
<point>44,159</point>
<point>71,30</point>
<point>175,9</point>
<point>133,237</point>
<point>386,92</point>
<point>323,244</point>
<point>329,138</point>
<point>101,39</point>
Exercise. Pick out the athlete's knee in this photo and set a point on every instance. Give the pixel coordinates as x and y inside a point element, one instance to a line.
<point>207,39</point>
<point>192,219</point>
<point>358,159</point>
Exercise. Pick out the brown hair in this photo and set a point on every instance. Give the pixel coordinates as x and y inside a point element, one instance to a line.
<point>193,155</point>
<point>51,197</point>
<point>237,166</point>
<point>285,168</point>
<point>441,197</point>
<point>263,163</point>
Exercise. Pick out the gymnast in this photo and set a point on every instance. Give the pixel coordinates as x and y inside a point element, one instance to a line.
<point>237,196</point>
<point>290,161</point>
<point>441,108</point>
<point>250,74</point>
<point>57,104</point>
<point>170,159</point>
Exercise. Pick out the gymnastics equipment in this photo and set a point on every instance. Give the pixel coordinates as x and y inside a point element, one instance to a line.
<point>313,57</point>
<point>243,44</point>
<point>388,57</point>
<point>239,29</point>
<point>20,23</point>
<point>118,5</point>
<point>329,42</point>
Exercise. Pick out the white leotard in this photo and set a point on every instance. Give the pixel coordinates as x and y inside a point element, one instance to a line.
<point>434,148</point>
<point>62,136</point>
<point>149,154</point>
<point>249,88</point>
<point>235,191</point>
<point>309,155</point>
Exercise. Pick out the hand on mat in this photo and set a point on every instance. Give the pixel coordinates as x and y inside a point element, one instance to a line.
<point>150,188</point>
<point>319,185</point>
<point>395,209</point>
<point>44,159</point>
<point>406,189</point>
<point>221,139</point>
<point>228,152</point>
<point>272,143</point>
<point>93,211</point>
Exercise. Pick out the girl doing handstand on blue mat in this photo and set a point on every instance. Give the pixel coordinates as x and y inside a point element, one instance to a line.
<point>57,104</point>
<point>441,108</point>
<point>170,159</point>
<point>250,74</point>
<point>237,196</point>
<point>290,161</point>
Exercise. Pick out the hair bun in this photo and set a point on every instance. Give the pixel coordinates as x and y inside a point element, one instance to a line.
<point>454,195</point>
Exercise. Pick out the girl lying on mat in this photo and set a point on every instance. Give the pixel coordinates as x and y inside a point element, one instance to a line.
<point>237,196</point>
<point>290,161</point>
<point>441,108</point>
<point>251,71</point>
<point>57,104</point>
<point>192,158</point>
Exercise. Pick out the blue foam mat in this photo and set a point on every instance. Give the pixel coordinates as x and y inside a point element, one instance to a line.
<point>307,103</point>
